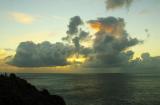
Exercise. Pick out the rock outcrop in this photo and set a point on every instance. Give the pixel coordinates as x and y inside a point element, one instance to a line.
<point>17,91</point>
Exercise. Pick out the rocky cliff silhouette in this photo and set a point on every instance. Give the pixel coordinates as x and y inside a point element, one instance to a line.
<point>17,91</point>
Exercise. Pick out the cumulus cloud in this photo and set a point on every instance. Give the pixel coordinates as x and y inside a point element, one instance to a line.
<point>111,42</point>
<point>75,34</point>
<point>110,48</point>
<point>114,4</point>
<point>73,25</point>
<point>145,63</point>
<point>29,54</point>
<point>22,17</point>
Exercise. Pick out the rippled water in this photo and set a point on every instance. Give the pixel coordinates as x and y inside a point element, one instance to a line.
<point>101,89</point>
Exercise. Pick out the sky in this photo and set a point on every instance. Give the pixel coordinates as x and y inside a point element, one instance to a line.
<point>48,20</point>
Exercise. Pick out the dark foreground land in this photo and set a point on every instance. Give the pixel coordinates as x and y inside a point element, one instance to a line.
<point>17,91</point>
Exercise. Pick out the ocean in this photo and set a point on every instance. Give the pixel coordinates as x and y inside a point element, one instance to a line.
<point>100,89</point>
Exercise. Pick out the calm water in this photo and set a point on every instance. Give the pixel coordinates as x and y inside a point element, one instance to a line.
<point>101,89</point>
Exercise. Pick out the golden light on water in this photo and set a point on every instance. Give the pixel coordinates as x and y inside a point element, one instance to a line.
<point>76,59</point>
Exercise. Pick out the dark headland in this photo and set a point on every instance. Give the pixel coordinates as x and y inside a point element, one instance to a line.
<point>17,91</point>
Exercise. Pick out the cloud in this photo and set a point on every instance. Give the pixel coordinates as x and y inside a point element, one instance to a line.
<point>22,17</point>
<point>73,25</point>
<point>5,53</point>
<point>75,34</point>
<point>115,4</point>
<point>145,63</point>
<point>29,54</point>
<point>111,42</point>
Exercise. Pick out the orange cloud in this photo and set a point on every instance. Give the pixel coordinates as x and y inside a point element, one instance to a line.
<point>98,26</point>
<point>115,29</point>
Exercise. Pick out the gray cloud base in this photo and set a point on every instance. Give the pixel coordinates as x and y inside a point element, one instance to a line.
<point>29,54</point>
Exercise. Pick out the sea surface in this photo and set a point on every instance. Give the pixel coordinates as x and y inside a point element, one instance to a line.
<point>101,89</point>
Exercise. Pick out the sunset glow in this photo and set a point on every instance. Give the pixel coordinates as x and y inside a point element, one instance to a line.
<point>59,34</point>
<point>76,59</point>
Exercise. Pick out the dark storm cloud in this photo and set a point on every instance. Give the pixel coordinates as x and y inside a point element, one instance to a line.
<point>111,41</point>
<point>29,54</point>
<point>114,4</point>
